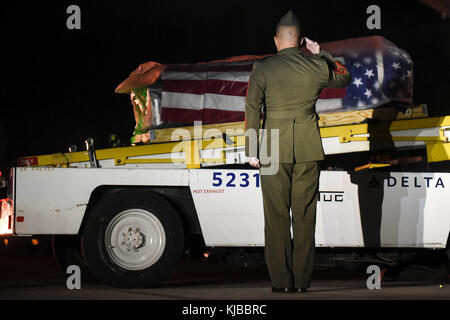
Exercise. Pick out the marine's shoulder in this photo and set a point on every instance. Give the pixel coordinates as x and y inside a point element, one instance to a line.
<point>265,61</point>
<point>316,60</point>
<point>315,57</point>
<point>312,58</point>
<point>263,65</point>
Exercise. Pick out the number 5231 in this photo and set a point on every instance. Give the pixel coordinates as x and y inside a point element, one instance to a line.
<point>231,179</point>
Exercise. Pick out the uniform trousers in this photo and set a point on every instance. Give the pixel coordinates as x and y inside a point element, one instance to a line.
<point>295,187</point>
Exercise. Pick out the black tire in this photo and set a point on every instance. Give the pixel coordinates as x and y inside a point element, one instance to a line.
<point>447,251</point>
<point>67,251</point>
<point>447,247</point>
<point>113,206</point>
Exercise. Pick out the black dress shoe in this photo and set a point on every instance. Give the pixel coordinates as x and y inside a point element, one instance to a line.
<point>301,290</point>
<point>282,290</point>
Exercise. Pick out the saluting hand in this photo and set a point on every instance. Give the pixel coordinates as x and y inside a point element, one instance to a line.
<point>254,162</point>
<point>312,46</point>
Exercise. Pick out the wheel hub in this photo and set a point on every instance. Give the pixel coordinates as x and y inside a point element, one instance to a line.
<point>133,239</point>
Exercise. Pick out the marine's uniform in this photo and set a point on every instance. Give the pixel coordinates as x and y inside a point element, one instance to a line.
<point>288,85</point>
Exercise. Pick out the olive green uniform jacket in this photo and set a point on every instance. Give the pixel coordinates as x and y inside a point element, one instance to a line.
<point>287,85</point>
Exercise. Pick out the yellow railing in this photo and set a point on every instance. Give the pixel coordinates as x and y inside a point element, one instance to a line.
<point>438,148</point>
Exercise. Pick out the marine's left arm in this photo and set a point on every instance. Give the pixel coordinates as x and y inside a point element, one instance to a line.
<point>339,75</point>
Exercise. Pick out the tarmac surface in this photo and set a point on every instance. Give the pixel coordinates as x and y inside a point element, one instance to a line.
<point>37,277</point>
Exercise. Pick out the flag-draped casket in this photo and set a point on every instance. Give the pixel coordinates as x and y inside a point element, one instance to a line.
<point>214,92</point>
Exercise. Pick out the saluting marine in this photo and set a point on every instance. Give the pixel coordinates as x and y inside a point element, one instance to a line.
<point>288,85</point>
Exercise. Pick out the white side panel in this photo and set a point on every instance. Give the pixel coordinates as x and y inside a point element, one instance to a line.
<point>53,200</point>
<point>231,213</point>
<point>229,206</point>
<point>338,222</point>
<point>404,210</point>
<point>416,210</point>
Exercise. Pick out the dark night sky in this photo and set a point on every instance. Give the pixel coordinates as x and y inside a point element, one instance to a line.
<point>59,84</point>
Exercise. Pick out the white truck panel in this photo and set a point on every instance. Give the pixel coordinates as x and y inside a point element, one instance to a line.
<point>230,207</point>
<point>412,211</point>
<point>232,214</point>
<point>54,200</point>
<point>415,210</point>
<point>231,211</point>
<point>338,222</point>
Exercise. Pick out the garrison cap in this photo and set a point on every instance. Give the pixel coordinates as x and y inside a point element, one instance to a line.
<point>289,19</point>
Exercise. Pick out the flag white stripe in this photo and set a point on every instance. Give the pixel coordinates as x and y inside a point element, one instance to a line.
<point>182,100</point>
<point>324,105</point>
<point>174,75</point>
<point>206,101</point>
<point>225,102</point>
<point>241,76</point>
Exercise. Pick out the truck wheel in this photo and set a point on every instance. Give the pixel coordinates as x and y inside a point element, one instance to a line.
<point>447,247</point>
<point>133,238</point>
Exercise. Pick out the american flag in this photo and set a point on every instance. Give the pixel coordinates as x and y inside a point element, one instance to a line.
<point>210,92</point>
<point>378,77</point>
<point>215,92</point>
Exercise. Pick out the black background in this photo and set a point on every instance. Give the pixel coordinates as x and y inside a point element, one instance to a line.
<point>58,84</point>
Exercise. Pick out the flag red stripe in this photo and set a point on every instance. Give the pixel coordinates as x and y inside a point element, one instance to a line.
<point>180,115</point>
<point>232,88</point>
<point>333,93</point>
